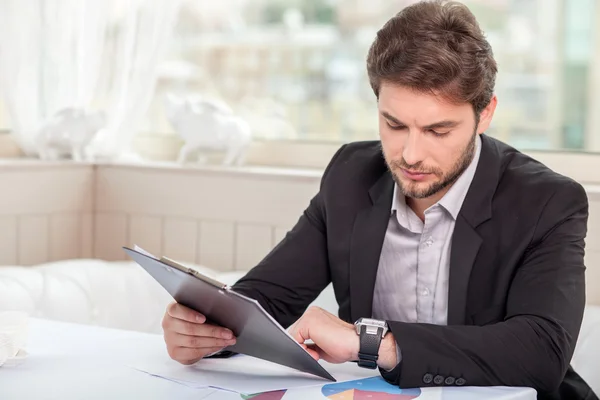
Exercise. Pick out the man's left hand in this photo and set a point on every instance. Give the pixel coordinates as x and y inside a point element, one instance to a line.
<point>336,341</point>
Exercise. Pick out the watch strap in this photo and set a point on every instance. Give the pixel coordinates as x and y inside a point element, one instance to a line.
<point>368,353</point>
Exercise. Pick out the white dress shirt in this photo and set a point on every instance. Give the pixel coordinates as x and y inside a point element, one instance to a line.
<point>414,266</point>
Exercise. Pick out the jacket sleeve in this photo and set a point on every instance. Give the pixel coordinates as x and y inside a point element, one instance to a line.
<point>295,272</point>
<point>533,345</point>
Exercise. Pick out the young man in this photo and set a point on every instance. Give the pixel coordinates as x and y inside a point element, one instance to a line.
<point>466,254</point>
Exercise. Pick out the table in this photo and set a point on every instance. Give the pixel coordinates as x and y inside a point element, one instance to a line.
<point>70,361</point>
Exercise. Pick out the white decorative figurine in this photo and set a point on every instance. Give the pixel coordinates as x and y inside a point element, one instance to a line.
<point>208,125</point>
<point>68,134</point>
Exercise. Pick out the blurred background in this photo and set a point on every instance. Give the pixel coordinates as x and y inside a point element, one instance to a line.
<point>309,55</point>
<point>294,69</point>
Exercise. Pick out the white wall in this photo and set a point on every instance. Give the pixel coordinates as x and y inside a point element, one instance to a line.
<point>46,212</point>
<point>223,219</point>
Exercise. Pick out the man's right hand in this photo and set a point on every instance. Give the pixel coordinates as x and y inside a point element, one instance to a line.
<point>189,338</point>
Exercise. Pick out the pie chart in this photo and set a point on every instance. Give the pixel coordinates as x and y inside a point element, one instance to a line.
<point>368,389</point>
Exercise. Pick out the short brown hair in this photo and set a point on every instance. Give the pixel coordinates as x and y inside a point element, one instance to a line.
<point>435,46</point>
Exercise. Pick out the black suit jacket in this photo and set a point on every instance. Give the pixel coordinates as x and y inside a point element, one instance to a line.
<point>517,276</point>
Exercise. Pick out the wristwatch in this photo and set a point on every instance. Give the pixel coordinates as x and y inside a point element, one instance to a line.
<point>370,331</point>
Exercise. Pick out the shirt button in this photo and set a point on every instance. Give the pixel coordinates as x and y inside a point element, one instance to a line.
<point>429,242</point>
<point>425,292</point>
<point>438,380</point>
<point>450,381</point>
<point>460,382</point>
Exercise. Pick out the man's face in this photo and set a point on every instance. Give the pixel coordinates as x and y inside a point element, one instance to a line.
<point>427,142</point>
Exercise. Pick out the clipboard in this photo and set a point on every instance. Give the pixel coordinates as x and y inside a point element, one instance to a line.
<point>258,334</point>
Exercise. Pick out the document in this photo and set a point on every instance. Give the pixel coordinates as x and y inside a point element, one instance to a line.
<point>248,375</point>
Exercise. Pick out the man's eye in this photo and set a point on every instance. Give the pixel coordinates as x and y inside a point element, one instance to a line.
<point>395,127</point>
<point>436,133</point>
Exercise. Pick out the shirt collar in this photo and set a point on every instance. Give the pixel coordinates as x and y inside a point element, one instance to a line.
<point>454,198</point>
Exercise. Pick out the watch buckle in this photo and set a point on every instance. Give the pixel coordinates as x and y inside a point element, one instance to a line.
<point>372,329</point>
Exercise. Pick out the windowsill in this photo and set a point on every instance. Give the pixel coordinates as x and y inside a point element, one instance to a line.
<point>270,153</point>
<point>254,170</point>
<point>251,172</point>
<point>300,159</point>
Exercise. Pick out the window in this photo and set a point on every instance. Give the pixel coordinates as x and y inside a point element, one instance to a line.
<point>295,69</point>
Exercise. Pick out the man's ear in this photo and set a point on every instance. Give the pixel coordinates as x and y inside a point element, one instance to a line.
<point>485,118</point>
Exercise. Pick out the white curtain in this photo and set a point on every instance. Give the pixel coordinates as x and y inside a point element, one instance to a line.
<point>86,54</point>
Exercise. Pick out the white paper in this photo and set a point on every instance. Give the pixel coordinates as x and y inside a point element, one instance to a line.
<point>248,375</point>
<point>144,252</point>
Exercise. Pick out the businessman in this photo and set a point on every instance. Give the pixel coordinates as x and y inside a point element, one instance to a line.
<point>455,259</point>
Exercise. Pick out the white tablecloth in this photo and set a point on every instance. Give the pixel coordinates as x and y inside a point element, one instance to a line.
<point>68,362</point>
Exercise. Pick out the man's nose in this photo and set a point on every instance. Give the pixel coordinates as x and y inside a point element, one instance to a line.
<point>413,149</point>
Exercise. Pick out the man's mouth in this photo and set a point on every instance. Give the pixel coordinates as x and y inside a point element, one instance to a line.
<point>414,175</point>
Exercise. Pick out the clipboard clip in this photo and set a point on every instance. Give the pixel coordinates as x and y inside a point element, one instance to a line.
<point>193,272</point>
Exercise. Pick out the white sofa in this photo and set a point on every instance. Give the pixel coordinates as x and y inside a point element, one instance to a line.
<point>122,295</point>
<point>112,294</point>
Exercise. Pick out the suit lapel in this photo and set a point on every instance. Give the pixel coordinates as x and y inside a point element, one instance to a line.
<point>466,241</point>
<point>465,245</point>
<point>368,234</point>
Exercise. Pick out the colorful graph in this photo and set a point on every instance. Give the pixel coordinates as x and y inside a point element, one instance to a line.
<point>368,389</point>
<point>362,389</point>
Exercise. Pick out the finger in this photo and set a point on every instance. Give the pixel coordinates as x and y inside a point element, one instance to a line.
<point>314,353</point>
<point>178,311</point>
<point>179,340</point>
<point>313,350</point>
<point>187,356</point>
<point>296,332</point>
<point>204,330</point>
<point>213,350</point>
<point>189,362</point>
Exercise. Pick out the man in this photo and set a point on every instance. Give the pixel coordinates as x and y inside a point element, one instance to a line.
<point>467,254</point>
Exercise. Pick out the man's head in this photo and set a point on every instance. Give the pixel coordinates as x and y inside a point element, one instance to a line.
<point>433,73</point>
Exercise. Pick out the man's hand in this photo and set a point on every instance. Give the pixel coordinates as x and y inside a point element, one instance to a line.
<point>189,338</point>
<point>336,341</point>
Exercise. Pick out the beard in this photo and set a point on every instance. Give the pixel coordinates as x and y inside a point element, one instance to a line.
<point>412,189</point>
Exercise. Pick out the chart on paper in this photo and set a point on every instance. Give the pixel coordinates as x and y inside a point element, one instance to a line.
<point>368,389</point>
<point>374,388</point>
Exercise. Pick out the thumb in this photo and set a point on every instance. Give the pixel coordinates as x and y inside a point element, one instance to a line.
<point>314,351</point>
<point>297,331</point>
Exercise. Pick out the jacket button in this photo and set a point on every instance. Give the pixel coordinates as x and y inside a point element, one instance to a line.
<point>450,381</point>
<point>427,379</point>
<point>460,382</point>
<point>438,380</point>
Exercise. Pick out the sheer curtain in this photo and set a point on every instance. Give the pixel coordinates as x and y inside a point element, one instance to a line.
<point>85,54</point>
